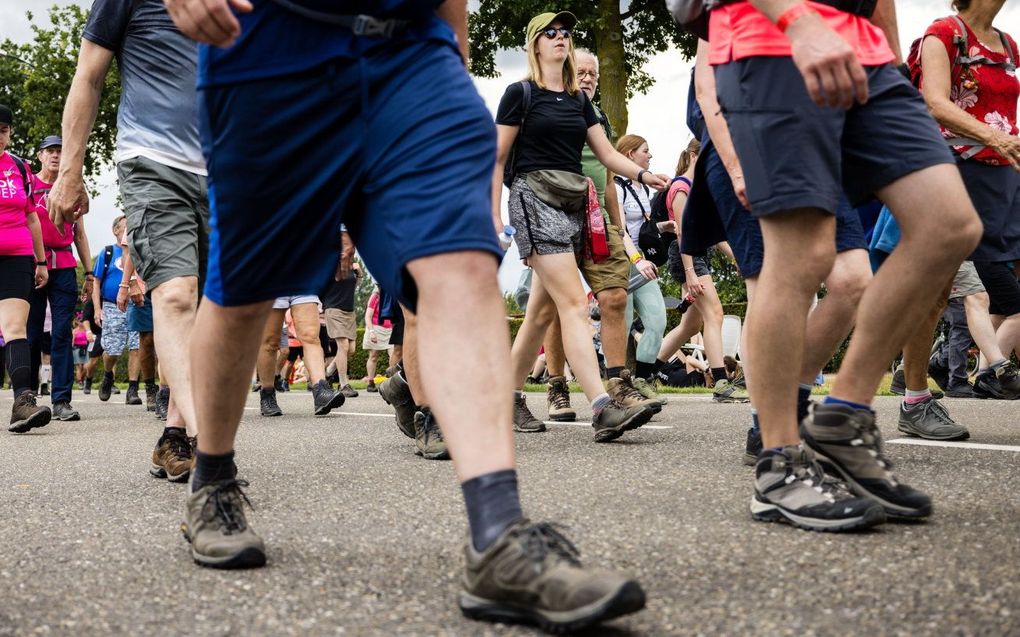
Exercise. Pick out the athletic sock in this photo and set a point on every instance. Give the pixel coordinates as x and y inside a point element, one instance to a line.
<point>644,370</point>
<point>18,357</point>
<point>267,391</point>
<point>614,372</point>
<point>718,374</point>
<point>755,425</point>
<point>493,504</point>
<point>212,468</point>
<point>108,375</point>
<point>657,365</point>
<point>600,403</point>
<point>913,397</point>
<point>150,383</point>
<point>831,400</point>
<point>994,366</point>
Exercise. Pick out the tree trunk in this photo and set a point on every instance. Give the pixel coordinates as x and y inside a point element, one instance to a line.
<point>612,64</point>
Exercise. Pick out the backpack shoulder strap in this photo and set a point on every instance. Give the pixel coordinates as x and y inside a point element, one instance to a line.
<point>20,163</point>
<point>525,100</point>
<point>107,259</point>
<point>1008,48</point>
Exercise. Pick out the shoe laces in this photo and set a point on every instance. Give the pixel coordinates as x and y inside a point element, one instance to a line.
<point>432,429</point>
<point>628,390</point>
<point>224,503</point>
<point>807,470</point>
<point>935,407</point>
<point>545,538</point>
<point>180,446</point>
<point>869,438</point>
<point>521,409</point>
<point>559,398</point>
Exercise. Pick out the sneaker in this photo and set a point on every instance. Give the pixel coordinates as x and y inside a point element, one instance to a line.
<point>898,386</point>
<point>349,392</point>
<point>64,412</point>
<point>174,457</point>
<point>524,420</point>
<point>256,386</point>
<point>930,420</point>
<point>280,385</point>
<point>44,389</point>
<point>397,393</point>
<point>26,414</point>
<point>115,391</point>
<point>334,378</point>
<point>371,387</point>
<point>939,373</point>
<point>132,397</point>
<point>150,398</point>
<point>88,386</point>
<point>325,398</point>
<point>615,419</point>
<point>1000,383</point>
<point>162,402</point>
<point>106,388</point>
<point>267,403</point>
<point>647,390</point>
<point>428,439</point>
<point>215,525</point>
<point>752,447</point>
<point>848,441</point>
<point>623,391</point>
<point>558,399</point>
<point>727,392</point>
<point>961,391</point>
<point>532,574</point>
<point>791,487</point>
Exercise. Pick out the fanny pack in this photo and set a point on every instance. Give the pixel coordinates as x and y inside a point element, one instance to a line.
<point>560,189</point>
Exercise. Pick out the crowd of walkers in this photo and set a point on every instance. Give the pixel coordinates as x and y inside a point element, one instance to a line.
<point>855,190</point>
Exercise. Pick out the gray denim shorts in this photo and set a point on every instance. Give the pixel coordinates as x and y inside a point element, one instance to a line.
<point>542,229</point>
<point>168,220</point>
<point>967,282</point>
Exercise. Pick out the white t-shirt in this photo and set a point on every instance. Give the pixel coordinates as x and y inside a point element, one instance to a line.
<point>632,214</point>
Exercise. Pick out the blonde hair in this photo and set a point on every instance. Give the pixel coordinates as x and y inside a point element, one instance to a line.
<point>685,157</point>
<point>569,66</point>
<point>629,143</point>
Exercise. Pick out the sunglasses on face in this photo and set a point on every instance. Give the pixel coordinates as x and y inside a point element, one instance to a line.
<point>552,31</point>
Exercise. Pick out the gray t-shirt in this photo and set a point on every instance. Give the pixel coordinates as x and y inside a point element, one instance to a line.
<point>158,115</point>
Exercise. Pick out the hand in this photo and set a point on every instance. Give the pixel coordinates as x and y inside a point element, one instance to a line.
<point>67,200</point>
<point>694,286</point>
<point>832,73</point>
<point>667,226</point>
<point>655,182</point>
<point>647,269</point>
<point>122,297</point>
<point>136,293</point>
<point>740,188</point>
<point>99,317</point>
<point>42,275</point>
<point>1008,146</point>
<point>208,21</point>
<point>343,269</point>
<point>86,289</point>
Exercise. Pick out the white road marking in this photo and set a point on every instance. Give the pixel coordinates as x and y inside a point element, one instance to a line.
<point>340,412</point>
<point>588,424</point>
<point>947,443</point>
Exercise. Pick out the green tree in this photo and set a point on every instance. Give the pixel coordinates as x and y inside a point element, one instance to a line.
<point>622,38</point>
<point>35,77</point>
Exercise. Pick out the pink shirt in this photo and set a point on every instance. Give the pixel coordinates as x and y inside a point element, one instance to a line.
<point>373,303</point>
<point>15,206</point>
<point>678,186</point>
<point>58,246</point>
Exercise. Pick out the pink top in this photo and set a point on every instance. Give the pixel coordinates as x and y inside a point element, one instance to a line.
<point>15,206</point>
<point>80,337</point>
<point>678,186</point>
<point>58,246</point>
<point>373,304</point>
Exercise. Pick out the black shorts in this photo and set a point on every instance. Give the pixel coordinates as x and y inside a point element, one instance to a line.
<point>295,352</point>
<point>46,343</point>
<point>999,279</point>
<point>995,192</point>
<point>676,267</point>
<point>17,277</point>
<point>397,335</point>
<point>328,345</point>
<point>96,347</point>
<point>798,155</point>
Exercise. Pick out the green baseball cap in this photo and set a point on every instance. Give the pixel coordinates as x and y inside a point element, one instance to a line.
<point>540,22</point>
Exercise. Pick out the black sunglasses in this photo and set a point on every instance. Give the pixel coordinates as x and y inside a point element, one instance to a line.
<point>552,31</point>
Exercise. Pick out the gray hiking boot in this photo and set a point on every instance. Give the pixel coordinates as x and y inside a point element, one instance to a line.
<point>615,419</point>
<point>267,403</point>
<point>727,392</point>
<point>623,391</point>
<point>350,392</point>
<point>647,390</point>
<point>558,399</point>
<point>215,525</point>
<point>325,398</point>
<point>532,574</point>
<point>26,414</point>
<point>524,420</point>
<point>898,385</point>
<point>930,420</point>
<point>428,439</point>
<point>1001,383</point>
<point>397,393</point>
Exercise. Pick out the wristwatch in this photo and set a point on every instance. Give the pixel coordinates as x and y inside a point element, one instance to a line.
<point>43,262</point>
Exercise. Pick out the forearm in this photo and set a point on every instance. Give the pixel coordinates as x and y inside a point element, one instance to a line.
<point>705,93</point>
<point>37,242</point>
<point>885,18</point>
<point>774,8</point>
<point>959,121</point>
<point>128,266</point>
<point>613,203</point>
<point>455,12</point>
<point>79,116</point>
<point>497,196</point>
<point>81,244</point>
<point>620,165</point>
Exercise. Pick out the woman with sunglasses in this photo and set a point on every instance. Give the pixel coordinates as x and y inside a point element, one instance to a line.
<point>547,129</point>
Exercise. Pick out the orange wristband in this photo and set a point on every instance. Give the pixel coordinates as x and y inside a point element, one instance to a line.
<point>786,18</point>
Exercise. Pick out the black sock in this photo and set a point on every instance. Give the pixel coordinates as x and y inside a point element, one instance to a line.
<point>150,384</point>
<point>212,468</point>
<point>492,505</point>
<point>267,391</point>
<point>19,365</point>
<point>108,375</point>
<point>644,370</point>
<point>133,384</point>
<point>614,372</point>
<point>657,365</point>
<point>718,374</point>
<point>174,431</point>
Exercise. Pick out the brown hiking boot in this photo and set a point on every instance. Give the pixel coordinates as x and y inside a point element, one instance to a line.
<point>27,415</point>
<point>615,419</point>
<point>558,397</point>
<point>524,420</point>
<point>623,391</point>
<point>428,439</point>
<point>174,457</point>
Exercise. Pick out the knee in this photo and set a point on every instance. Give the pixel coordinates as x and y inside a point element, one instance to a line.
<point>817,261</point>
<point>848,284</point>
<point>180,299</point>
<point>308,335</point>
<point>471,273</point>
<point>956,235</point>
<point>613,301</point>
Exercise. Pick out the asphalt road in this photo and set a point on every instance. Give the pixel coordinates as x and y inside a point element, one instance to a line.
<point>365,537</point>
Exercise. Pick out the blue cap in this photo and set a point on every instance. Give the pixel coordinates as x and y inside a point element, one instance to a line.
<point>50,141</point>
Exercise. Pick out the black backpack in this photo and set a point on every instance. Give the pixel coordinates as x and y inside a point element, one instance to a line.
<point>660,211</point>
<point>650,241</point>
<point>20,163</point>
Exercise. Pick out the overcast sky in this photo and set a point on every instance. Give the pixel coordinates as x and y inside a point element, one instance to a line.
<point>658,115</point>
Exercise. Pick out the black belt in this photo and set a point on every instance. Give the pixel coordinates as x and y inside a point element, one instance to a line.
<point>362,25</point>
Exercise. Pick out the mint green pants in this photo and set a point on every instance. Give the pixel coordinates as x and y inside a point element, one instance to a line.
<point>647,301</point>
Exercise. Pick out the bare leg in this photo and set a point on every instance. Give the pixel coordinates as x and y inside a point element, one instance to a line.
<point>711,311</point>
<point>147,352</point>
<point>917,348</point>
<point>412,372</point>
<point>134,364</point>
<point>306,325</point>
<point>831,321</point>
<point>269,349</point>
<point>555,359</point>
<point>613,305</point>
<point>979,322</point>
<point>173,313</point>
<point>340,360</point>
<point>373,358</point>
<point>690,324</point>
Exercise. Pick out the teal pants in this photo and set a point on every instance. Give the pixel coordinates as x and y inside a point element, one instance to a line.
<point>647,300</point>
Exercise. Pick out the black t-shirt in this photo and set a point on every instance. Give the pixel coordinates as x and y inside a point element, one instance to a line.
<point>88,313</point>
<point>339,295</point>
<point>555,131</point>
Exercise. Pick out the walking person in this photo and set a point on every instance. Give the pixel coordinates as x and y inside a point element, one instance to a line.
<point>342,325</point>
<point>376,337</point>
<point>109,276</point>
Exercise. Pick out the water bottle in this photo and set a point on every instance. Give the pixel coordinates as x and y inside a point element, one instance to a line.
<point>507,237</point>
<point>636,282</point>
<point>686,303</point>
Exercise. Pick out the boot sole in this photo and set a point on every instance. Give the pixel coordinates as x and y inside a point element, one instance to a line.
<point>635,421</point>
<point>910,431</point>
<point>629,598</point>
<point>271,414</point>
<point>158,471</point>
<point>727,399</point>
<point>36,420</point>
<point>71,418</point>
<point>442,455</point>
<point>766,512</point>
<point>567,416</point>
<point>336,401</point>
<point>250,557</point>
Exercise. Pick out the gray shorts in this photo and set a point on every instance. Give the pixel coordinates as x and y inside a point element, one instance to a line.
<point>168,220</point>
<point>967,282</point>
<point>542,229</point>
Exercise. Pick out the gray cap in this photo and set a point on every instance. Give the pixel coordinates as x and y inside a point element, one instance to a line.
<point>50,141</point>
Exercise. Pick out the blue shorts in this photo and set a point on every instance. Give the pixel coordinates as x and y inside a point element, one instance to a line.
<point>139,319</point>
<point>397,144</point>
<point>795,154</point>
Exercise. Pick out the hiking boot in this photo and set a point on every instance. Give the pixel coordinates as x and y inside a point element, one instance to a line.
<point>106,388</point>
<point>928,419</point>
<point>428,439</point>
<point>64,412</point>
<point>898,386</point>
<point>623,392</point>
<point>524,420</point>
<point>615,419</point>
<point>162,402</point>
<point>115,391</point>
<point>150,398</point>
<point>558,399</point>
<point>939,373</point>
<point>791,487</point>
<point>88,387</point>
<point>267,403</point>
<point>397,393</point>
<point>215,525</point>
<point>961,391</point>
<point>1001,383</point>
<point>647,389</point>
<point>848,443</point>
<point>752,447</point>
<point>325,398</point>
<point>132,398</point>
<point>349,392</point>
<point>371,388</point>
<point>174,456</point>
<point>727,392</point>
<point>26,415</point>
<point>280,385</point>
<point>532,574</point>
<point>44,389</point>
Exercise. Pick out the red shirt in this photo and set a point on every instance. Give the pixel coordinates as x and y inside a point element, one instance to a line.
<point>988,93</point>
<point>740,31</point>
<point>58,246</point>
